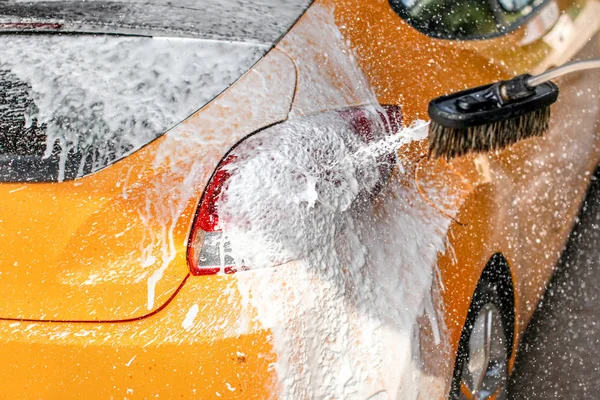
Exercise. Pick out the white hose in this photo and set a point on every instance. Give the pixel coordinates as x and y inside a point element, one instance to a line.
<point>562,70</point>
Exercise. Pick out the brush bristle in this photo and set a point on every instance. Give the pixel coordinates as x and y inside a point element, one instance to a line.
<point>449,143</point>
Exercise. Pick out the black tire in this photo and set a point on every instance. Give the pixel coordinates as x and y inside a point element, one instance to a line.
<point>486,293</point>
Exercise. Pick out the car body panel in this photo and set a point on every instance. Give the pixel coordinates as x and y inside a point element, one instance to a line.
<point>488,214</point>
<point>442,221</point>
<point>76,250</point>
<point>213,354</point>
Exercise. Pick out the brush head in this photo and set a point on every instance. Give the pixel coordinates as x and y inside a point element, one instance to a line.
<point>490,117</point>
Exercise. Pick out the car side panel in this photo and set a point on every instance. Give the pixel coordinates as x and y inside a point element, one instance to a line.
<point>546,177</point>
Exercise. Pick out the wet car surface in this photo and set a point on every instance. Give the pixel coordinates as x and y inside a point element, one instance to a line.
<point>257,248</point>
<point>559,357</point>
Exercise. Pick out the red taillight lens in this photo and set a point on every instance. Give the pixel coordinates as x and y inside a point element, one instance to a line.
<point>207,241</point>
<point>365,126</point>
<point>209,251</point>
<point>208,216</point>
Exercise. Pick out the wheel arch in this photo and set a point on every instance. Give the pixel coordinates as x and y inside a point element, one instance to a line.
<point>497,272</point>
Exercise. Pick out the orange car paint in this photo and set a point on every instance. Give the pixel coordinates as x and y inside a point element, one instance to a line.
<point>410,68</point>
<point>97,223</point>
<point>60,239</point>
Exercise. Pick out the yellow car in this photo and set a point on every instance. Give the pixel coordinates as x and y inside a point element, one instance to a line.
<point>233,199</point>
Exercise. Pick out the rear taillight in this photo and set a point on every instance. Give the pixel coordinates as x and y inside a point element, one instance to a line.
<point>209,251</point>
<point>208,216</point>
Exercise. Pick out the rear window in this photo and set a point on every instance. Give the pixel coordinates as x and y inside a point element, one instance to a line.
<point>259,21</point>
<point>75,102</point>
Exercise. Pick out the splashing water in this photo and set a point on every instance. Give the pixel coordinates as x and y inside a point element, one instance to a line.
<point>357,272</point>
<point>307,171</point>
<point>355,281</point>
<point>351,277</point>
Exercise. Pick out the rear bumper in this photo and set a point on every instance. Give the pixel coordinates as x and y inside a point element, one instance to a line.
<point>176,353</point>
<point>252,335</point>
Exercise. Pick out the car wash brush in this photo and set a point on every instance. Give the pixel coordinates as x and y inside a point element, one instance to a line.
<point>497,115</point>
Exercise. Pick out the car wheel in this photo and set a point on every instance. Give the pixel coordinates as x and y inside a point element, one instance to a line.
<point>481,369</point>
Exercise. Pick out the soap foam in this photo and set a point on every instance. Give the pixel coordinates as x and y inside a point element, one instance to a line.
<point>356,281</point>
<point>363,269</point>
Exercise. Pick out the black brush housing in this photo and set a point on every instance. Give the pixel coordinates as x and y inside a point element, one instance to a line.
<point>489,117</point>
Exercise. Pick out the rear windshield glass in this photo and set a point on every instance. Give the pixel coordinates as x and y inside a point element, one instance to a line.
<point>261,21</point>
<point>71,104</point>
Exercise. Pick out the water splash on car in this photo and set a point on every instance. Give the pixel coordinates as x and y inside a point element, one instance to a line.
<point>357,271</point>
<point>356,283</point>
<point>351,289</point>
